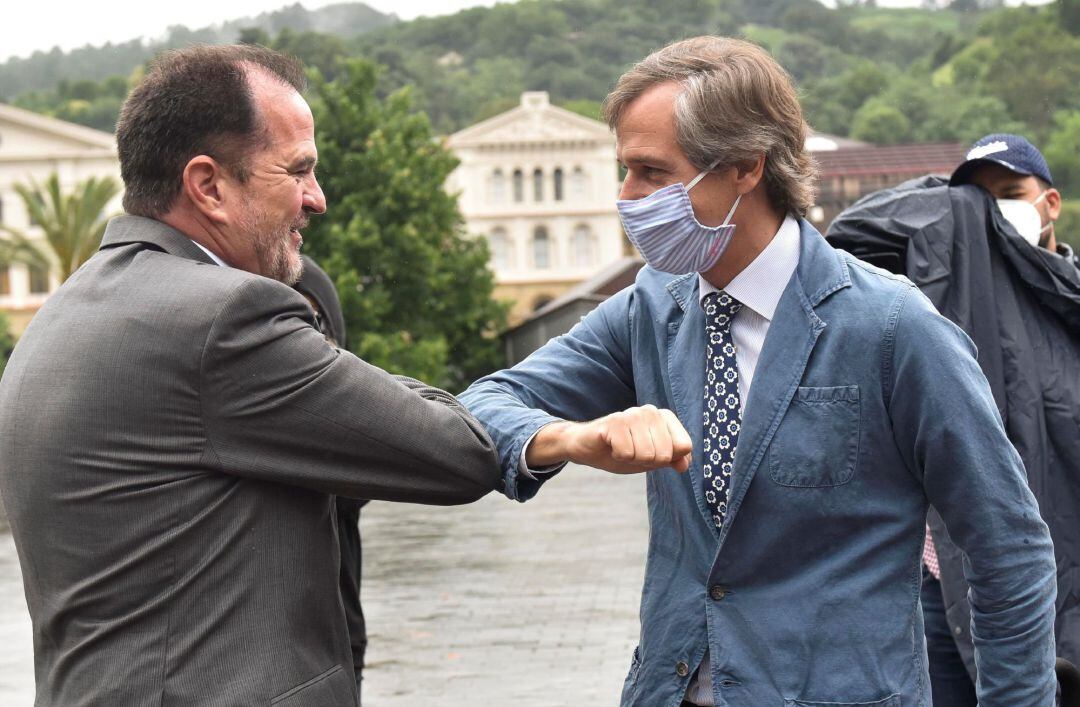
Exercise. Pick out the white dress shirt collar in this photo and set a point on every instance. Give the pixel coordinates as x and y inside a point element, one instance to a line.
<point>762,282</point>
<point>206,250</point>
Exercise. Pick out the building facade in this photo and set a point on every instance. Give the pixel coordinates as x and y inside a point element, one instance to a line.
<point>32,147</point>
<point>539,183</point>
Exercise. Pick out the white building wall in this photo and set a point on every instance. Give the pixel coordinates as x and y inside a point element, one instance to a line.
<point>538,136</point>
<point>31,148</point>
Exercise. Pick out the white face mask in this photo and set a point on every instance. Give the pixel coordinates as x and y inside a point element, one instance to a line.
<point>1024,217</point>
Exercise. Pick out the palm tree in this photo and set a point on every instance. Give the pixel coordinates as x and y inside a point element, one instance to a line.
<point>73,224</point>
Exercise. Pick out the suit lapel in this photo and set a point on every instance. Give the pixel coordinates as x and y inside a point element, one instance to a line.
<point>794,331</point>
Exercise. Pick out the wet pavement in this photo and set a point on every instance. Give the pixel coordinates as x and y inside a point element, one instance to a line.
<point>496,603</point>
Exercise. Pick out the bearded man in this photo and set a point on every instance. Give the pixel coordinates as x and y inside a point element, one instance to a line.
<point>175,429</point>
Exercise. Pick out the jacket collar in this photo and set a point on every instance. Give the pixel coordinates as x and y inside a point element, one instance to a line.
<point>821,271</point>
<point>792,336</point>
<point>128,229</point>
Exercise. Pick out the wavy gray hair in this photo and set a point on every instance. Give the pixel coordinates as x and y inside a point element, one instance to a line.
<point>736,103</point>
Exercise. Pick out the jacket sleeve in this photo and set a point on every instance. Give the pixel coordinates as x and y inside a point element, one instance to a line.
<point>946,425</point>
<point>580,376</point>
<point>280,404</point>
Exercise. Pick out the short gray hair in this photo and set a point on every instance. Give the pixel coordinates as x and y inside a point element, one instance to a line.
<point>736,103</point>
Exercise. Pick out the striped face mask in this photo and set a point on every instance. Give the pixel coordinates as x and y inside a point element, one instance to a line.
<point>664,229</point>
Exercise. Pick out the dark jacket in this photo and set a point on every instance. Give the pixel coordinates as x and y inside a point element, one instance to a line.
<point>1021,306</point>
<point>172,437</point>
<point>317,286</point>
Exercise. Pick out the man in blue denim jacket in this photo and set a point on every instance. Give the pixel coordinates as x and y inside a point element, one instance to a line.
<point>788,573</point>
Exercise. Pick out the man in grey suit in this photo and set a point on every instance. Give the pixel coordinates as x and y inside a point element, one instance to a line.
<point>173,429</point>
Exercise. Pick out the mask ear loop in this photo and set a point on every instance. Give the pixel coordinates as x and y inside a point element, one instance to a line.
<point>727,219</point>
<point>701,175</point>
<point>1043,239</point>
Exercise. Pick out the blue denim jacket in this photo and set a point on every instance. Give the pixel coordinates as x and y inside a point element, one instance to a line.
<point>866,407</point>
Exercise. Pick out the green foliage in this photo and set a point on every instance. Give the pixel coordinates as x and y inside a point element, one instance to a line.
<point>416,291</point>
<point>881,123</point>
<point>95,105</point>
<point>44,70</point>
<point>1036,67</point>
<point>1069,14</point>
<point>1067,227</point>
<point>1062,152</point>
<point>7,342</point>
<point>73,223</point>
<point>952,74</point>
<point>585,107</point>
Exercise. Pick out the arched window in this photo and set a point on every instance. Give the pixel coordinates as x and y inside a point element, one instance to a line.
<point>541,248</point>
<point>582,247</point>
<point>557,182</point>
<point>578,186</point>
<point>501,251</point>
<point>519,186</point>
<point>538,185</point>
<point>498,187</point>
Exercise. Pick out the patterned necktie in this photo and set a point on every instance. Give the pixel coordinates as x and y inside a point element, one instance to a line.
<point>722,415</point>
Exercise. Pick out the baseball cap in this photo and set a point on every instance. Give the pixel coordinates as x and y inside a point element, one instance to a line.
<point>1010,151</point>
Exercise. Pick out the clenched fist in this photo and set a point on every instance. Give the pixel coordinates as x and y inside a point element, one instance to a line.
<point>634,440</point>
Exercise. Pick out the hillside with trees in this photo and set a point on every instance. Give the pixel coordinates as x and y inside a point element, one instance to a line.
<point>881,75</point>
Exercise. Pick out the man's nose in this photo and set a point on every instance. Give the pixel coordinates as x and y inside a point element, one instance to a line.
<point>314,201</point>
<point>632,188</point>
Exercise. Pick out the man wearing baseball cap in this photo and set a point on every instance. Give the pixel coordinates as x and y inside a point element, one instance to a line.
<point>1016,174</point>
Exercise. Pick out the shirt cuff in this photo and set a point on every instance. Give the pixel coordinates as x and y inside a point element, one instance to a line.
<point>524,469</point>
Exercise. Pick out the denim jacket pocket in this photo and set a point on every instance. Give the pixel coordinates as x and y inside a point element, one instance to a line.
<point>817,443</point>
<point>890,701</point>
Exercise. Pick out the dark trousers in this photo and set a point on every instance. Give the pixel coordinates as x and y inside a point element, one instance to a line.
<point>348,519</point>
<point>950,683</point>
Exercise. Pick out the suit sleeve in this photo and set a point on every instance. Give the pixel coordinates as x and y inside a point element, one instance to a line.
<point>280,404</point>
<point>948,428</point>
<point>580,376</point>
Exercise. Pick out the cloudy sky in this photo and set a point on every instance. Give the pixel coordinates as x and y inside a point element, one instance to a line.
<point>29,25</point>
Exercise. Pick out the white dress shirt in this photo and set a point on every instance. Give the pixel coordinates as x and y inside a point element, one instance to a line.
<point>759,287</point>
<point>209,252</point>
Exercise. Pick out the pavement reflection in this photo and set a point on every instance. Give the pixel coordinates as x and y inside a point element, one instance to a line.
<point>489,604</point>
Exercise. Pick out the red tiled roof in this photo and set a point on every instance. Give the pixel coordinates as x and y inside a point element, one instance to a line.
<point>921,158</point>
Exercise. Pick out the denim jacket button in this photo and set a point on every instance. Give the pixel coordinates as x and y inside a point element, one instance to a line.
<point>716,592</point>
<point>682,669</point>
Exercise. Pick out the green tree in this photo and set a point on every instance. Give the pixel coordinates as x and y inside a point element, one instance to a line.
<point>881,124</point>
<point>1062,152</point>
<point>7,342</point>
<point>72,223</point>
<point>1036,68</point>
<point>1069,12</point>
<point>416,291</point>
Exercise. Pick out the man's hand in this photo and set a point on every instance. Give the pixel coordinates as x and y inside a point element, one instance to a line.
<point>627,442</point>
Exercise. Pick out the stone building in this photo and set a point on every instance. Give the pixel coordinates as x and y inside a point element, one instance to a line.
<point>33,146</point>
<point>539,183</point>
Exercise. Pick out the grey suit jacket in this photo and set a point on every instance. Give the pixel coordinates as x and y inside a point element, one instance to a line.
<point>171,435</point>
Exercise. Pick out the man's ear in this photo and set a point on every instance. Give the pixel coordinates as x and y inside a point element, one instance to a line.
<point>1053,203</point>
<point>748,173</point>
<point>203,185</point>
